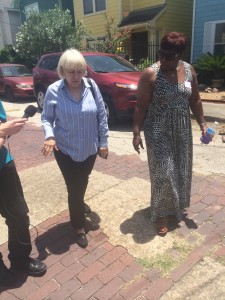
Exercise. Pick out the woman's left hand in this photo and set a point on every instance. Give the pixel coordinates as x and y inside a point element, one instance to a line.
<point>203,128</point>
<point>49,146</point>
<point>103,152</point>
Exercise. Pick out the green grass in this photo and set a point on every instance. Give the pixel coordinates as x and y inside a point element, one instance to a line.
<point>168,261</point>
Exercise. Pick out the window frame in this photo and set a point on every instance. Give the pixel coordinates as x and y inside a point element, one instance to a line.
<point>209,36</point>
<point>94,8</point>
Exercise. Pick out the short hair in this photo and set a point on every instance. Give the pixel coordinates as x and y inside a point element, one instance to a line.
<point>71,59</point>
<point>174,41</point>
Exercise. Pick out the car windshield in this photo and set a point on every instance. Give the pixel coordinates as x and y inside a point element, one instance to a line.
<point>15,71</point>
<point>108,64</point>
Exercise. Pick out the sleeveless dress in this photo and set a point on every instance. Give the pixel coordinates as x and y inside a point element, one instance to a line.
<point>168,136</point>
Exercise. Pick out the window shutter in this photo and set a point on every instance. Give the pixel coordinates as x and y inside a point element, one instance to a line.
<point>209,37</point>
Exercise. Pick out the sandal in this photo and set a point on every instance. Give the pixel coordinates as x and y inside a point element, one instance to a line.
<point>162,226</point>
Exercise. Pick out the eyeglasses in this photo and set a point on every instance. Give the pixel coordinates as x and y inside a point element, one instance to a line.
<point>168,55</point>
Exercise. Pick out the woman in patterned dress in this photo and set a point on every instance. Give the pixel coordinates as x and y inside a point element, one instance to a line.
<point>166,92</point>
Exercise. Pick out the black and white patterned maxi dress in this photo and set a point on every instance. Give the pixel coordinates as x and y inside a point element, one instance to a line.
<point>168,137</point>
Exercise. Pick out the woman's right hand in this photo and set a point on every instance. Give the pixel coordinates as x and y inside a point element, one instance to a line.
<point>137,142</point>
<point>49,146</point>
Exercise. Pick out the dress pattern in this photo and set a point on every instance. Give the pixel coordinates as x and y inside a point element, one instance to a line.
<point>168,136</point>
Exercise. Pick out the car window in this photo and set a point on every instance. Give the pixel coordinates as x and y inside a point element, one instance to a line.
<point>14,71</point>
<point>50,63</point>
<point>108,64</point>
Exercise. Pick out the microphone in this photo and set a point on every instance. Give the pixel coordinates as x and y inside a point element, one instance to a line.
<point>30,111</point>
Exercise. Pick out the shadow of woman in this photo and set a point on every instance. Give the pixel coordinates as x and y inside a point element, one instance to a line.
<point>140,226</point>
<point>143,229</point>
<point>58,239</point>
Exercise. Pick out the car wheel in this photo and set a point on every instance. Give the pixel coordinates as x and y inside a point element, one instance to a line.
<point>110,111</point>
<point>40,96</point>
<point>9,94</point>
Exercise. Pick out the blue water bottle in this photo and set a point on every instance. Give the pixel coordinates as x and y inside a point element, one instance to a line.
<point>210,132</point>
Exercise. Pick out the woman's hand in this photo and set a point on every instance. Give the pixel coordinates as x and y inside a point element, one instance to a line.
<point>12,127</point>
<point>137,142</point>
<point>103,152</point>
<point>203,128</point>
<point>49,146</point>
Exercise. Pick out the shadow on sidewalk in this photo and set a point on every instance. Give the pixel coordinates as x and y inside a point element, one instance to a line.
<point>21,279</point>
<point>143,230</point>
<point>58,239</point>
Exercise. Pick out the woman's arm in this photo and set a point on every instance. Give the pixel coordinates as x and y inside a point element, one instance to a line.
<point>144,95</point>
<point>196,103</point>
<point>48,118</point>
<point>102,117</point>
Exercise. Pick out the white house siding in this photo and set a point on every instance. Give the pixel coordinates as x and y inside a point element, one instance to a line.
<point>9,23</point>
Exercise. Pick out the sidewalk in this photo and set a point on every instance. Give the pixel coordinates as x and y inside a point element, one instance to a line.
<point>125,259</point>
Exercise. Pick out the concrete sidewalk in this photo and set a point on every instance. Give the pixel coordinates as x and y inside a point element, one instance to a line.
<point>125,259</point>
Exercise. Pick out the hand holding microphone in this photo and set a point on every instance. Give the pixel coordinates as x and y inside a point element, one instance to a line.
<point>12,127</point>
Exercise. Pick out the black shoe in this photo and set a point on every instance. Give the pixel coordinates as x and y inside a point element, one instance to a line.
<point>6,276</point>
<point>82,240</point>
<point>87,209</point>
<point>31,266</point>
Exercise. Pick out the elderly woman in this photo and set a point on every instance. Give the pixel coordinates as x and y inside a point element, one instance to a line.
<point>166,92</point>
<point>76,130</point>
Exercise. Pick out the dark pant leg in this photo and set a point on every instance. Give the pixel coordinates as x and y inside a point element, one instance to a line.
<point>14,209</point>
<point>76,176</point>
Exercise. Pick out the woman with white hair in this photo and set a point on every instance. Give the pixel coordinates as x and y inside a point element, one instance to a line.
<point>76,130</point>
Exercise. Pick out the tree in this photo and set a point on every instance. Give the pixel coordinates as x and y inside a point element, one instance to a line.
<point>9,55</point>
<point>48,31</point>
<point>113,38</point>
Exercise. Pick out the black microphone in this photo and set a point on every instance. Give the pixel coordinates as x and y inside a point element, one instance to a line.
<point>30,111</point>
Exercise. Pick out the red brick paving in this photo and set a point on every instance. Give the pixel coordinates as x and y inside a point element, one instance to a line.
<point>103,271</point>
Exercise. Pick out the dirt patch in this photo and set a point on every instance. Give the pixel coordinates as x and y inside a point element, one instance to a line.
<point>213,96</point>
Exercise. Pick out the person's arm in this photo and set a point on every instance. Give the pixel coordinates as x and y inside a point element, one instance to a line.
<point>48,119</point>
<point>144,95</point>
<point>12,127</point>
<point>2,141</point>
<point>102,123</point>
<point>196,103</point>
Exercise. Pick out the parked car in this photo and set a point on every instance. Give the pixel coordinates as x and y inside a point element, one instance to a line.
<point>116,78</point>
<point>16,81</point>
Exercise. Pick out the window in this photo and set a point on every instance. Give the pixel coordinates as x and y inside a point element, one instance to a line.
<point>219,47</point>
<point>214,38</point>
<point>93,6</point>
<point>50,63</point>
<point>31,8</point>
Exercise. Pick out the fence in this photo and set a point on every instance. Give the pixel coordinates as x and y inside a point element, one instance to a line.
<point>141,54</point>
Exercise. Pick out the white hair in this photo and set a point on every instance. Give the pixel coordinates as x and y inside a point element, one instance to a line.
<point>71,59</point>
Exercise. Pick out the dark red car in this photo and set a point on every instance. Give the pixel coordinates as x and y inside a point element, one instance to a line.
<point>15,81</point>
<point>116,78</point>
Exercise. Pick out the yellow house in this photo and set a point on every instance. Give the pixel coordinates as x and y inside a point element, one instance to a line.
<point>147,20</point>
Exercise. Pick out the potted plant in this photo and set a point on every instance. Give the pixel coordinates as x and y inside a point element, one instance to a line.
<point>213,65</point>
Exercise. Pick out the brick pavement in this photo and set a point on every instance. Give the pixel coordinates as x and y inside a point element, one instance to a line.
<point>102,270</point>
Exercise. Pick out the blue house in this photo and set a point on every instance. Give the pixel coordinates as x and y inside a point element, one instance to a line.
<point>208,28</point>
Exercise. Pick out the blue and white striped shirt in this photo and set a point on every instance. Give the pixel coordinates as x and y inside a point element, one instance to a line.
<point>79,127</point>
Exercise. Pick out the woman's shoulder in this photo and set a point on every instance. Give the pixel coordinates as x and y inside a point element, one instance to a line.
<point>151,70</point>
<point>56,85</point>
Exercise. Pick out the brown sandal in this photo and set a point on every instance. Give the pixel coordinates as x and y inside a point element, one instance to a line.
<point>162,226</point>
